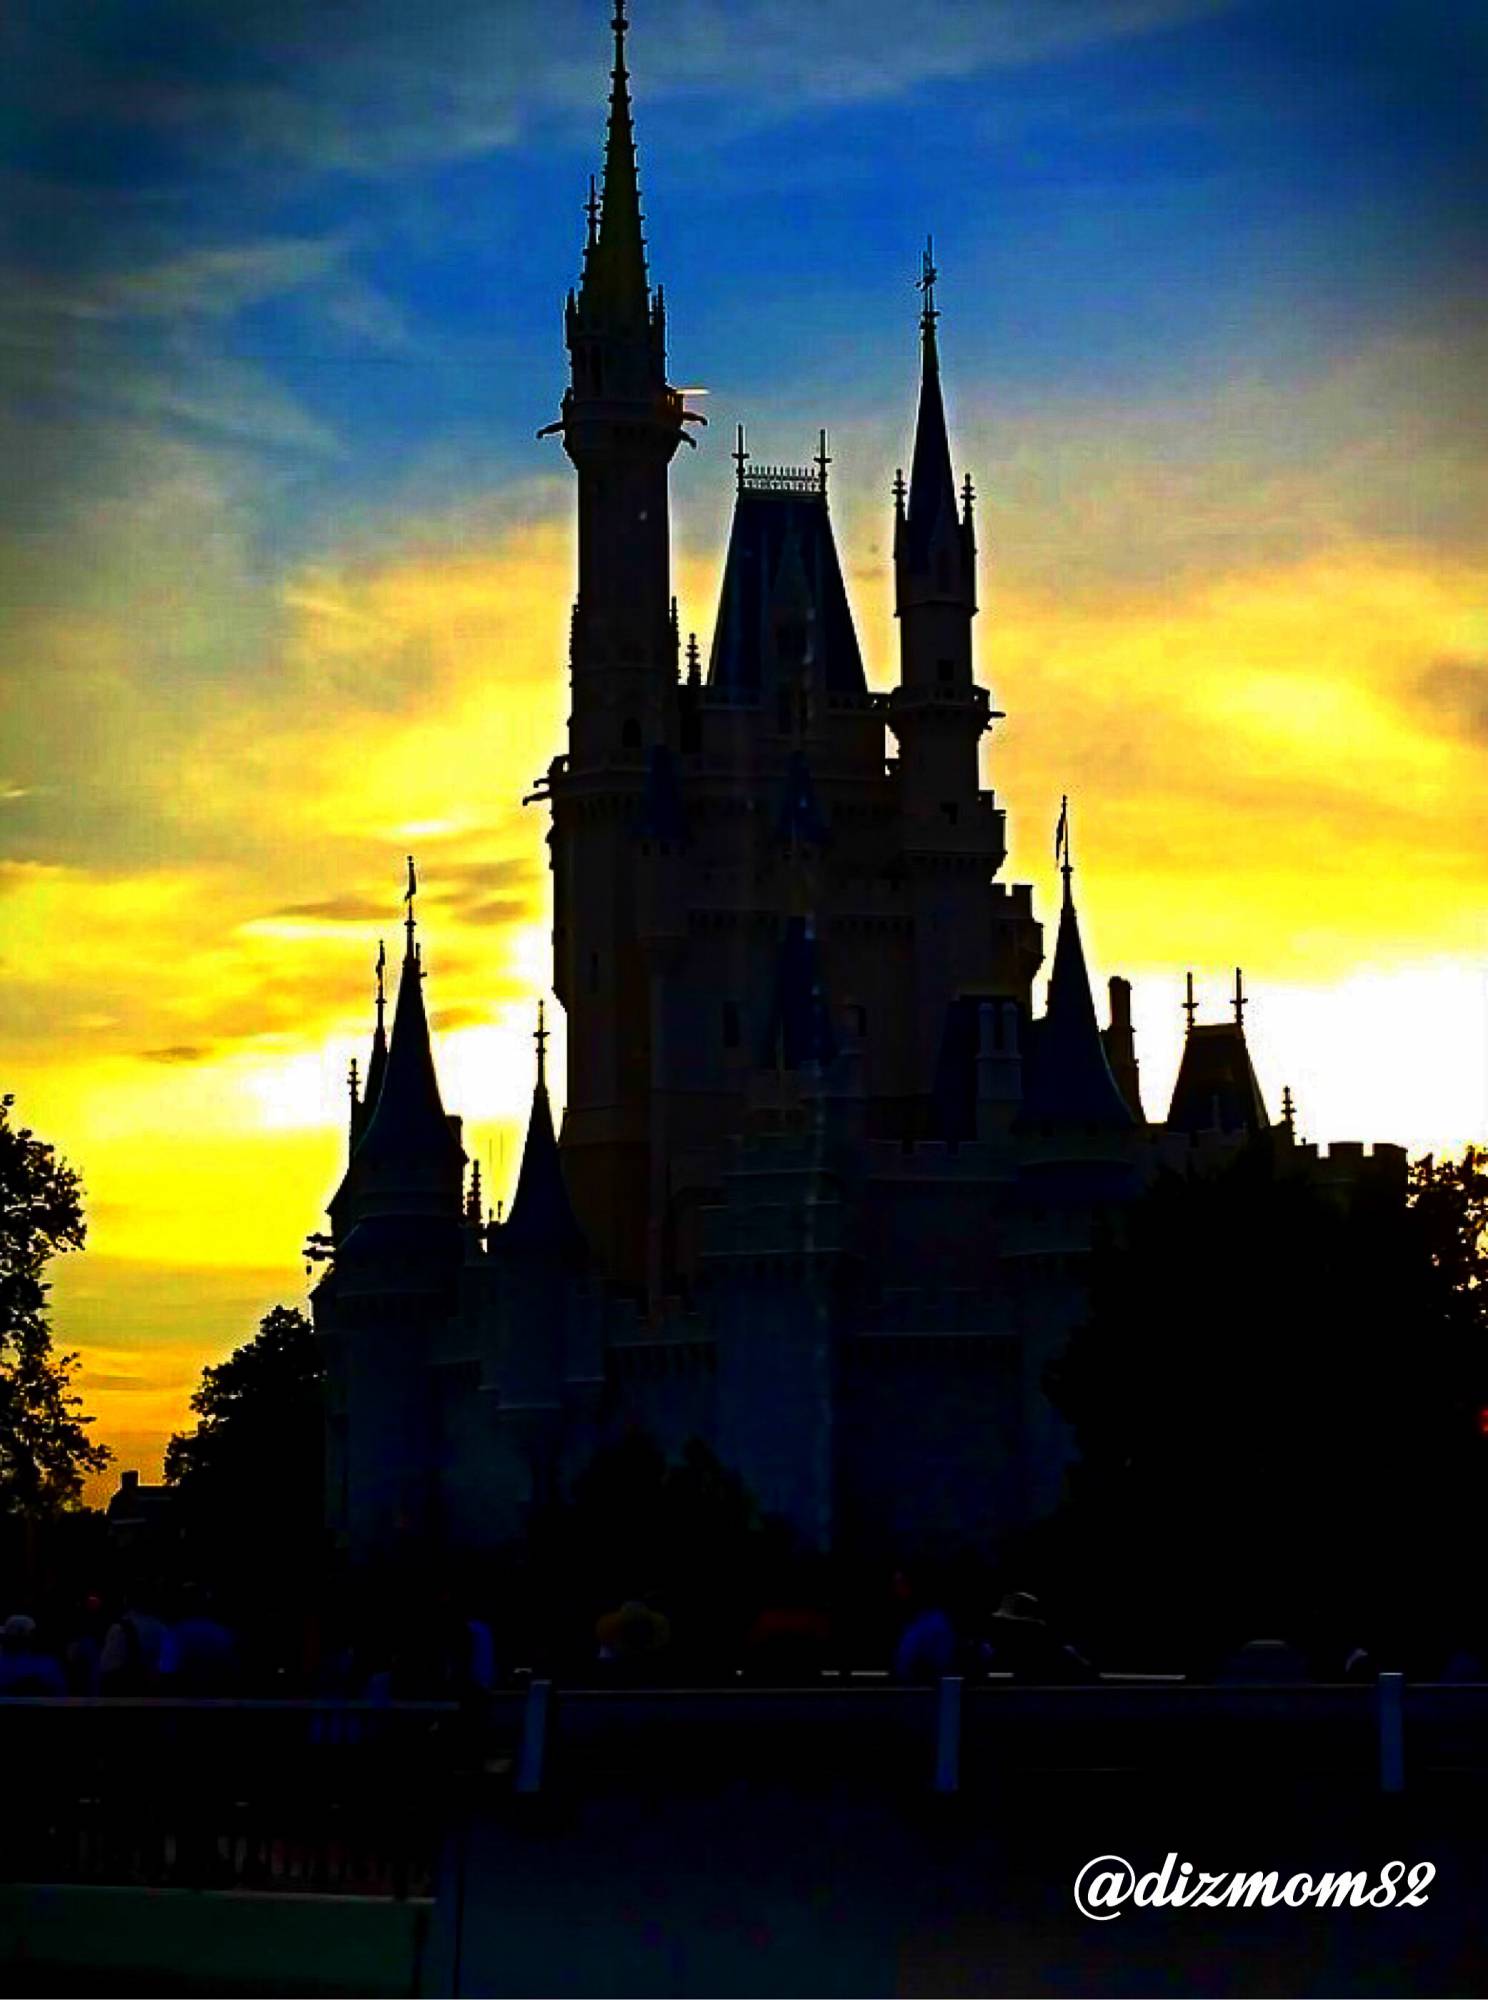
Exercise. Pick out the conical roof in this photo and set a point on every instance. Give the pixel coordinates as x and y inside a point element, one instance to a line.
<point>1216,1089</point>
<point>782,556</point>
<point>408,1142</point>
<point>932,485</point>
<point>540,1222</point>
<point>614,288</point>
<point>1067,1079</point>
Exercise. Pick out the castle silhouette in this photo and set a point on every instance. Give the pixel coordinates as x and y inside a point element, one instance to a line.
<point>826,1188</point>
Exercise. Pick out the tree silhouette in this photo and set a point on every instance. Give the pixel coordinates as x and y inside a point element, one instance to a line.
<point>45,1450</point>
<point>1276,1398</point>
<point>250,1475</point>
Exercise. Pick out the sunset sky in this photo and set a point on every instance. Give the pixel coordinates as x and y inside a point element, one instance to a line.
<point>286,576</point>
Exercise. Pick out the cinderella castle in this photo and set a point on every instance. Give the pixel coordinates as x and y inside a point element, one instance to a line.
<point>827,1185</point>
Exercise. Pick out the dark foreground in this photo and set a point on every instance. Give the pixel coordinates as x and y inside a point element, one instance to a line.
<point>775,1845</point>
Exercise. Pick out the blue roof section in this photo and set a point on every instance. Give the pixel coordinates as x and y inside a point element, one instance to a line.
<point>1066,1078</point>
<point>800,1030</point>
<point>781,543</point>
<point>800,817</point>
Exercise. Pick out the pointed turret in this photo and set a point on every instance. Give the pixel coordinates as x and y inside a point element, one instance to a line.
<point>937,712</point>
<point>409,1145</point>
<point>541,1222</point>
<point>377,1062</point>
<point>614,289</point>
<point>1069,1080</point>
<point>933,542</point>
<point>932,485</point>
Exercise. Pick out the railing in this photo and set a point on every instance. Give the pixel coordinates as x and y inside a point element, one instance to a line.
<point>348,1798</point>
<point>355,1798</point>
<point>977,1736</point>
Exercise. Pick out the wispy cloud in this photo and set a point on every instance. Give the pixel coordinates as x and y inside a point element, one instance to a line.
<point>377,85</point>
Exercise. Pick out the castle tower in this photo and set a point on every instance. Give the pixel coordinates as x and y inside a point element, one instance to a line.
<point>937,712</point>
<point>951,832</point>
<point>396,1225</point>
<point>621,424</point>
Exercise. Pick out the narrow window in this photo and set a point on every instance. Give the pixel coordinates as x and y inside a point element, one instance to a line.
<point>950,809</point>
<point>944,672</point>
<point>731,1024</point>
<point>630,734</point>
<point>594,972</point>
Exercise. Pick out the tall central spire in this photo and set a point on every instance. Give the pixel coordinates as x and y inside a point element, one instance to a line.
<point>615,286</point>
<point>932,485</point>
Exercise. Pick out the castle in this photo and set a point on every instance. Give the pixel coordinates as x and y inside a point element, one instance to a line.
<point>826,1187</point>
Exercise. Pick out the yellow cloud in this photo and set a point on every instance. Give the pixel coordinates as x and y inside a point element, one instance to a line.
<point>1259,769</point>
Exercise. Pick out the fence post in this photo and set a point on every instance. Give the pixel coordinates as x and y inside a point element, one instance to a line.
<point>1392,1732</point>
<point>948,1734</point>
<point>531,1755</point>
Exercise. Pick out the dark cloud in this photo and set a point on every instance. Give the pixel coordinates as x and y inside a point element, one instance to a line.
<point>1456,693</point>
<point>347,909</point>
<point>445,1019</point>
<point>178,1052</point>
<point>496,910</point>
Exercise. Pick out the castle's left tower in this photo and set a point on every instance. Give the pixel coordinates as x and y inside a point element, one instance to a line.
<point>621,424</point>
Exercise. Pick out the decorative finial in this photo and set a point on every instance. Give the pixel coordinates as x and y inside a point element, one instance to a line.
<point>694,661</point>
<point>408,895</point>
<point>1289,1112</point>
<point>591,209</point>
<point>899,490</point>
<point>473,1202</point>
<point>541,1038</point>
<point>1190,1005</point>
<point>968,495</point>
<point>741,457</point>
<point>1062,844</point>
<point>822,462</point>
<point>381,981</point>
<point>926,285</point>
<point>1239,1003</point>
<point>352,1082</point>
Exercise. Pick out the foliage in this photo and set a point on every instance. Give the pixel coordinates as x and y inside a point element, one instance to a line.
<point>684,1535</point>
<point>250,1474</point>
<point>1276,1398</point>
<point>45,1450</point>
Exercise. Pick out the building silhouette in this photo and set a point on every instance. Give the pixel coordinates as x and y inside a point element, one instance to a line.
<point>826,1186</point>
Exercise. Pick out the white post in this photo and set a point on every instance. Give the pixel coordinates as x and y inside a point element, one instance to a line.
<point>534,1737</point>
<point>948,1735</point>
<point>1392,1732</point>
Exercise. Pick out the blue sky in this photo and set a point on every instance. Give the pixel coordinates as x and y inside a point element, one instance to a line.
<point>374,209</point>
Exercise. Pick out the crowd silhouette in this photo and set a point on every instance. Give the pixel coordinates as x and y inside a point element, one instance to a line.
<point>442,1641</point>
